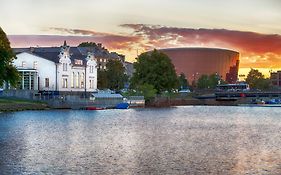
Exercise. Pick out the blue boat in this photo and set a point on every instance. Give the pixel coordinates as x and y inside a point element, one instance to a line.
<point>273,101</point>
<point>122,106</point>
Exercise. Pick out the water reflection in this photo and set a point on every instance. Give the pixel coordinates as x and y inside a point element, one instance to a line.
<point>182,140</point>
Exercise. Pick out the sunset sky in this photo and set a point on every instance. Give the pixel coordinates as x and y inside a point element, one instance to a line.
<point>252,27</point>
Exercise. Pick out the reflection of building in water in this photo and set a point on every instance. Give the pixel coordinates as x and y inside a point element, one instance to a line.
<point>194,62</point>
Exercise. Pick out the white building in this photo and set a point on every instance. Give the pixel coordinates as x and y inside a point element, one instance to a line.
<point>63,69</point>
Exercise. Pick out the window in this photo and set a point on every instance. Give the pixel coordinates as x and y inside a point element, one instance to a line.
<point>27,80</point>
<point>77,80</point>
<point>23,64</point>
<point>64,83</point>
<point>91,82</point>
<point>35,65</point>
<point>91,69</point>
<point>47,82</point>
<point>72,80</point>
<point>78,62</point>
<point>82,80</point>
<point>64,65</point>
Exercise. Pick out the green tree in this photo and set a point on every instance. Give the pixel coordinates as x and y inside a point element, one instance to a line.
<point>155,68</point>
<point>256,80</point>
<point>115,73</point>
<point>208,82</point>
<point>213,81</point>
<point>147,91</point>
<point>102,79</point>
<point>183,83</point>
<point>88,44</point>
<point>8,73</point>
<point>203,82</point>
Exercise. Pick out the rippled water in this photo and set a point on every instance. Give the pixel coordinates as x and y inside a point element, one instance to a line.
<point>181,140</point>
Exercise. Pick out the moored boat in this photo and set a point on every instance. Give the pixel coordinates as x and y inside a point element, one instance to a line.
<point>122,106</point>
<point>94,108</point>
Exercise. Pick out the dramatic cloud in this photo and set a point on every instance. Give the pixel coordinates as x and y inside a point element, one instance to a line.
<point>81,32</point>
<point>257,50</point>
<point>75,37</point>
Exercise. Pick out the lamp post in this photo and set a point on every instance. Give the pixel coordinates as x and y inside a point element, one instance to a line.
<point>85,81</point>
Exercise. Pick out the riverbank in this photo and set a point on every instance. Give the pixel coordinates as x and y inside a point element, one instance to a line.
<point>10,105</point>
<point>161,102</point>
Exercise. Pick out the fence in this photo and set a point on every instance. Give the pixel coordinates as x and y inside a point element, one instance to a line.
<point>70,100</point>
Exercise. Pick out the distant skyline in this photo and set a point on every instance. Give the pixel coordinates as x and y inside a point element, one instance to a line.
<point>252,27</point>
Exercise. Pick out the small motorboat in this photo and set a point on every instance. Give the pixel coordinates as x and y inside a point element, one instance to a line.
<point>122,106</point>
<point>273,101</point>
<point>93,108</point>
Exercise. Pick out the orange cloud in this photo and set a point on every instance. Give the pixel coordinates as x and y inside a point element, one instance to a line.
<point>257,50</point>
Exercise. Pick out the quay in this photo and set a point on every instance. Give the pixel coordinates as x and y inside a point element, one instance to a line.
<point>250,94</point>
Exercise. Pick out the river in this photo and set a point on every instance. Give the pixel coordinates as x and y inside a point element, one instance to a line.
<point>179,140</point>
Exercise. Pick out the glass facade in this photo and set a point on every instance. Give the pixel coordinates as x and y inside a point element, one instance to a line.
<point>27,80</point>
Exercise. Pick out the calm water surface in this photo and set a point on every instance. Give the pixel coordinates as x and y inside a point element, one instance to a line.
<point>180,140</point>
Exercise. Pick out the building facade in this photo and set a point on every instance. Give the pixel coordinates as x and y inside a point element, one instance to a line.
<point>102,55</point>
<point>64,69</point>
<point>275,78</point>
<point>194,62</point>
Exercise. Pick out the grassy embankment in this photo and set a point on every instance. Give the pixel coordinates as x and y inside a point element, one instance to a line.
<point>7,104</point>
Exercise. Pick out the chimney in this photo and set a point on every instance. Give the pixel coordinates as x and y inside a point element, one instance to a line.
<point>31,49</point>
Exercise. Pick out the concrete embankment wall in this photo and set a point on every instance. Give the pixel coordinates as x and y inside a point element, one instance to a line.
<point>166,102</point>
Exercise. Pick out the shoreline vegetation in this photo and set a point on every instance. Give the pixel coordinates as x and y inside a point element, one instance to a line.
<point>13,104</point>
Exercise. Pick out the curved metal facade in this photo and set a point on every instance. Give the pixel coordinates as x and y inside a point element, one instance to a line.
<point>194,62</point>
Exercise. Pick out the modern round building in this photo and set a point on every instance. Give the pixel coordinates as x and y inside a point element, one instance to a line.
<point>194,62</point>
